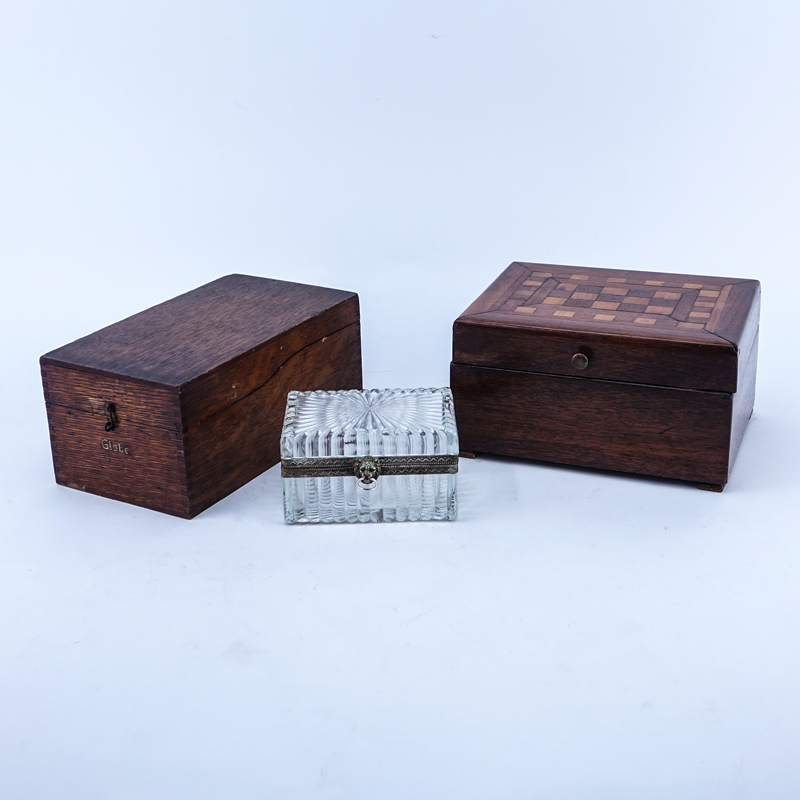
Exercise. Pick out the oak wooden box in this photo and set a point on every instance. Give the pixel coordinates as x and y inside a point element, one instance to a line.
<point>641,372</point>
<point>178,406</point>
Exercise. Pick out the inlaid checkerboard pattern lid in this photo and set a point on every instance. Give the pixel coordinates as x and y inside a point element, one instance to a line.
<point>684,331</point>
<point>687,307</point>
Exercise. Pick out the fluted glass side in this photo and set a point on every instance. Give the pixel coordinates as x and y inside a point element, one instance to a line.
<point>378,422</point>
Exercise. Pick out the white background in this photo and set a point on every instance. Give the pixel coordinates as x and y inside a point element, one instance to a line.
<point>575,634</point>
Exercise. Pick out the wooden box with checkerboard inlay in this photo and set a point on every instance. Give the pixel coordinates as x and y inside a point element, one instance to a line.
<point>641,372</point>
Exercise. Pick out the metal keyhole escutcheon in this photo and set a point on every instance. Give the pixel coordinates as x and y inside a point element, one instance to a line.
<point>111,417</point>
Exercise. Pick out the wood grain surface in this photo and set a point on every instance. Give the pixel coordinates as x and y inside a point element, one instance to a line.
<point>239,443</point>
<point>666,386</point>
<point>650,430</point>
<point>611,356</point>
<point>137,403</point>
<point>199,387</point>
<point>136,463</point>
<point>184,338</point>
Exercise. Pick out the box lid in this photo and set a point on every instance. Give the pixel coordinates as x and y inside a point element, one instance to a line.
<point>656,328</point>
<point>215,344</point>
<point>389,432</point>
<point>369,422</point>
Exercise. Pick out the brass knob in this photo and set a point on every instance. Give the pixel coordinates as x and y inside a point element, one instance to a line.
<point>580,361</point>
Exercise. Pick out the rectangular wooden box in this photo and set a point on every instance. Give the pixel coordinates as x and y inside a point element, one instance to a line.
<point>641,372</point>
<point>178,406</point>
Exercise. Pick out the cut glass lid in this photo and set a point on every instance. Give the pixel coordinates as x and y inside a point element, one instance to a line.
<point>380,422</point>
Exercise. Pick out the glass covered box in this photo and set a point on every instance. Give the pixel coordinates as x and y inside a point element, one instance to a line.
<point>379,455</point>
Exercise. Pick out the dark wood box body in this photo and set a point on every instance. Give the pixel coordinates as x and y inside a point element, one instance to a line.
<point>668,388</point>
<point>198,386</point>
